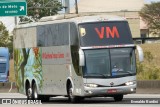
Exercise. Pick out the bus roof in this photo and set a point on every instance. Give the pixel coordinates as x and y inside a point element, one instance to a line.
<point>76,18</point>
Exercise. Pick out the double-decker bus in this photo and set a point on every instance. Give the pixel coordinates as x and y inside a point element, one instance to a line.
<point>4,64</point>
<point>78,57</point>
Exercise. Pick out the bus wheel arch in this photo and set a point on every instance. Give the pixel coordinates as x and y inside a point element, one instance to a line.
<point>71,97</point>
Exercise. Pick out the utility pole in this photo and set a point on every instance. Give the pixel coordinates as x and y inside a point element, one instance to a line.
<point>15,20</point>
<point>66,6</point>
<point>76,6</point>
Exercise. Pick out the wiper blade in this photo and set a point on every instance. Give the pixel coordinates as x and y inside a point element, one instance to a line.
<point>129,72</point>
<point>98,74</point>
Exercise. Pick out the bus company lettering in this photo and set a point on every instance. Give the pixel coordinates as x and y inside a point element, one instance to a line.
<point>109,32</point>
<point>52,55</point>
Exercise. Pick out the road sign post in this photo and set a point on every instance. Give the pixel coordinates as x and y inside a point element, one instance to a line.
<point>13,8</point>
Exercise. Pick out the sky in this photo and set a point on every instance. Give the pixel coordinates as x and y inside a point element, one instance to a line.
<point>148,1</point>
<point>9,21</point>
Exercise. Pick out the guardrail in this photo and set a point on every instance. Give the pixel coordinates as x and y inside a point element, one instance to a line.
<point>148,84</point>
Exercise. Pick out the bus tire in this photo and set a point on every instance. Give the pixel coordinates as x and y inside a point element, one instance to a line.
<point>35,92</point>
<point>71,97</point>
<point>43,98</point>
<point>118,98</point>
<point>29,93</point>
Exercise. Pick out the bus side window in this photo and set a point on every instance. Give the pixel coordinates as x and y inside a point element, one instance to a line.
<point>53,34</point>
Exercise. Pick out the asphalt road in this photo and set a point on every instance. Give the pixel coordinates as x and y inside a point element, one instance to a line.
<point>92,102</point>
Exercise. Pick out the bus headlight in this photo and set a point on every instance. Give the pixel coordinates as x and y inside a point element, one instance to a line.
<point>91,85</point>
<point>130,83</point>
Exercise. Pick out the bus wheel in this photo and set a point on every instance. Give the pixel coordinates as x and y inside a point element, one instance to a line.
<point>43,98</point>
<point>118,98</point>
<point>29,93</point>
<point>35,93</point>
<point>72,99</point>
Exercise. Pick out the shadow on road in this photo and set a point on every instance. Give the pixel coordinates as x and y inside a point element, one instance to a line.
<point>106,100</point>
<point>86,101</point>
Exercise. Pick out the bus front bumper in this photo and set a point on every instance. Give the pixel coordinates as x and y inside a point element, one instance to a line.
<point>109,91</point>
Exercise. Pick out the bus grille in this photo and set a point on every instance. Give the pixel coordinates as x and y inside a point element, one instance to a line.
<point>2,67</point>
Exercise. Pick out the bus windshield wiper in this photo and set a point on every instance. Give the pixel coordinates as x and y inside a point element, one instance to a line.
<point>129,72</point>
<point>97,74</point>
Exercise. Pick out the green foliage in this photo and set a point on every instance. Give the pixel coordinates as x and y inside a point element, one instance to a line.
<point>4,36</point>
<point>148,72</point>
<point>148,56</point>
<point>150,13</point>
<point>154,74</point>
<point>140,67</point>
<point>41,8</point>
<point>5,39</point>
<point>10,45</point>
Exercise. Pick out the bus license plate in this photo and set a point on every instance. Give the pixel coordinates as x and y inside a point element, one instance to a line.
<point>112,91</point>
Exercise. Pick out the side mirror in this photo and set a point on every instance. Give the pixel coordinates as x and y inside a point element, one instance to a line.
<point>140,53</point>
<point>81,58</point>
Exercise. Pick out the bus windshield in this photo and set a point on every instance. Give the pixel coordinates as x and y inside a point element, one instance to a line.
<point>104,33</point>
<point>109,62</point>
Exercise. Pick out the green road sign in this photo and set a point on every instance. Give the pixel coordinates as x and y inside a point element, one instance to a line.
<point>13,8</point>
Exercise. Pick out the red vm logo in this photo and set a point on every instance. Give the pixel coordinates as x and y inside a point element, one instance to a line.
<point>110,32</point>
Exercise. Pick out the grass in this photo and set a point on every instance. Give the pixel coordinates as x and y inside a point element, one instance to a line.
<point>154,49</point>
<point>149,69</point>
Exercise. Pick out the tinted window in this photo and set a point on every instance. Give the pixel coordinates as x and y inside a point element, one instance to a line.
<point>103,63</point>
<point>122,61</point>
<point>97,63</point>
<point>53,34</point>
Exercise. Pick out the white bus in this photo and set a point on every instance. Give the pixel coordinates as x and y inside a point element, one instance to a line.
<point>80,57</point>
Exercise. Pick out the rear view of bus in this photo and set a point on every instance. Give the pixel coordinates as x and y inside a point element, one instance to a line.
<point>4,64</point>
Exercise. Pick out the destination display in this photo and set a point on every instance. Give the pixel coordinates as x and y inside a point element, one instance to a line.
<point>105,33</point>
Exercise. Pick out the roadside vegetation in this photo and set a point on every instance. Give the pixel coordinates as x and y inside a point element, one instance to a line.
<point>149,69</point>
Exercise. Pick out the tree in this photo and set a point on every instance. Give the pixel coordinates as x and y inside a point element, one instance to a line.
<point>10,45</point>
<point>5,39</point>
<point>150,13</point>
<point>41,8</point>
<point>4,36</point>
